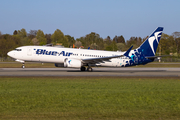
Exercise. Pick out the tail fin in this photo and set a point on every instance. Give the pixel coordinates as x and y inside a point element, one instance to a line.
<point>149,46</point>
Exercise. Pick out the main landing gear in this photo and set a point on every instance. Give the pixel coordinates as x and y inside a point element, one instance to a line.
<point>88,69</point>
<point>83,68</point>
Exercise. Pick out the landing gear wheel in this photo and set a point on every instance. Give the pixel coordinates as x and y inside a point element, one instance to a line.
<point>23,66</point>
<point>89,69</point>
<point>83,69</point>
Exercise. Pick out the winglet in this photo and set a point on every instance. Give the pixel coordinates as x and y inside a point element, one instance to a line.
<point>127,52</point>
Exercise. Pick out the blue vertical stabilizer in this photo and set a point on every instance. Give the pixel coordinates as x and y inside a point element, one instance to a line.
<point>149,47</point>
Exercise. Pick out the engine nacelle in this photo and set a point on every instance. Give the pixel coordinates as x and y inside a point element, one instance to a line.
<point>74,63</point>
<point>59,64</point>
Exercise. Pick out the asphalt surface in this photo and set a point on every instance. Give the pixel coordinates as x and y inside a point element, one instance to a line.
<point>141,72</point>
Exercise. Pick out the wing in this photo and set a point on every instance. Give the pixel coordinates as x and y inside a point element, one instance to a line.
<point>104,59</point>
<point>99,60</point>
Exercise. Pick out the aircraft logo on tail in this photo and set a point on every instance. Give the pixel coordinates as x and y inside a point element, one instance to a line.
<point>152,39</point>
<point>149,47</point>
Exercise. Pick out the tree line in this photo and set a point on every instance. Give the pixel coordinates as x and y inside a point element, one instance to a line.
<point>169,44</point>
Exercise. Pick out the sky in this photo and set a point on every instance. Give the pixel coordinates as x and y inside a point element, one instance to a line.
<point>78,18</point>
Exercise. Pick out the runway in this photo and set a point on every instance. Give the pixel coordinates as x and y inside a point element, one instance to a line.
<point>141,72</point>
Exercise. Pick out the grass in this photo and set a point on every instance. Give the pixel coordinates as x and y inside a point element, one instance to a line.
<point>89,98</point>
<point>160,65</point>
<point>27,64</point>
<point>51,65</point>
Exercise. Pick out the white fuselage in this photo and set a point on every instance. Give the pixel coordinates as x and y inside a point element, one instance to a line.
<point>58,55</point>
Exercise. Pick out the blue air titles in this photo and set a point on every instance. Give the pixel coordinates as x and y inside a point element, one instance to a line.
<point>54,53</point>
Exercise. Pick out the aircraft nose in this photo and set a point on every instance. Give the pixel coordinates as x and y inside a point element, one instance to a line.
<point>10,53</point>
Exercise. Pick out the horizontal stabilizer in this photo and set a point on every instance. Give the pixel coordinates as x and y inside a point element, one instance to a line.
<point>150,57</point>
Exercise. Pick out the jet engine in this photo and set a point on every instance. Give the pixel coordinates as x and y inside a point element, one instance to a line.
<point>59,64</point>
<point>74,63</point>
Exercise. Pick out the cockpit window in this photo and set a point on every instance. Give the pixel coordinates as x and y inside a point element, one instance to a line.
<point>18,49</point>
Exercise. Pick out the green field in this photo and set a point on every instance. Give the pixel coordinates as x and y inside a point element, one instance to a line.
<point>27,64</point>
<point>89,98</point>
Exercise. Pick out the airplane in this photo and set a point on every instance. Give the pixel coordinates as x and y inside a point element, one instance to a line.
<point>85,59</point>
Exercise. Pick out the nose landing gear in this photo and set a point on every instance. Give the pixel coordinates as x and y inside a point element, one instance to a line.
<point>23,66</point>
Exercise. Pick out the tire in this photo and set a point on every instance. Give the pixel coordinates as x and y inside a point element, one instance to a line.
<point>90,69</point>
<point>23,66</point>
<point>83,69</point>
